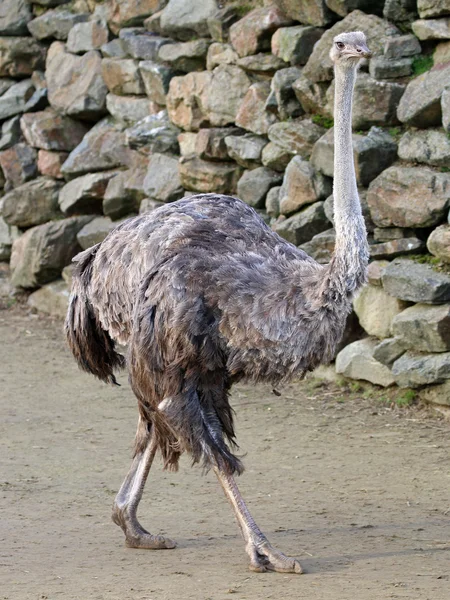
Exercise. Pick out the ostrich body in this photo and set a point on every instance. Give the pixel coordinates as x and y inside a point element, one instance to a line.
<point>204,294</point>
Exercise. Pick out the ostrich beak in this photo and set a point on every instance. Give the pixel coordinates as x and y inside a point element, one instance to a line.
<point>364,51</point>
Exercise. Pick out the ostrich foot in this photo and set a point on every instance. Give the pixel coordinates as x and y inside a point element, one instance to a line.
<point>264,557</point>
<point>138,537</point>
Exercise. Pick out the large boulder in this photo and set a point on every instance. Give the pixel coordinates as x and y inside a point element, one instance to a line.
<point>95,231</point>
<point>376,310</point>
<point>321,246</point>
<point>18,164</point>
<point>185,19</point>
<point>117,200</point>
<point>312,95</point>
<point>128,109</point>
<point>403,46</point>
<point>154,133</point>
<point>401,12</point>
<point>424,328</point>
<point>163,181</point>
<point>75,83</point>
<point>14,16</point>
<point>254,185</point>
<point>432,8</point>
<point>85,194</point>
<point>252,114</point>
<point>210,143</point>
<point>52,299</point>
<point>246,149</point>
<point>439,243</point>
<point>186,100</point>
<point>156,79</point>
<point>420,105</point>
<point>372,153</point>
<point>311,12</point>
<point>297,136</point>
<point>55,24</point>
<point>40,254</point>
<point>91,35</point>
<point>304,225</point>
<point>409,197</point>
<point>225,97</point>
<point>319,66</point>
<point>20,56</point>
<point>282,99</point>
<point>388,350</point>
<point>252,33</point>
<point>103,147</point>
<point>415,370</point>
<point>32,203</point>
<point>432,29</point>
<point>414,282</point>
<point>49,163</point>
<point>356,361</point>
<point>302,185</point>
<point>220,54</point>
<point>431,147</point>
<point>122,77</point>
<point>126,13</point>
<point>185,56</point>
<point>51,131</point>
<point>14,100</point>
<point>295,44</point>
<point>400,247</point>
<point>204,176</point>
<point>141,44</point>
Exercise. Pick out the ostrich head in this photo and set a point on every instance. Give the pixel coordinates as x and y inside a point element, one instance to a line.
<point>349,48</point>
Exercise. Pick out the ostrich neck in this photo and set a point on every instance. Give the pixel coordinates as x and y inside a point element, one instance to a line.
<point>350,258</point>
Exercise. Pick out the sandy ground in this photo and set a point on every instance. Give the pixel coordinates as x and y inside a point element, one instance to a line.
<point>357,491</point>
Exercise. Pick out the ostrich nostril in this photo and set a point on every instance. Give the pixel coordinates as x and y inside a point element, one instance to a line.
<point>359,50</point>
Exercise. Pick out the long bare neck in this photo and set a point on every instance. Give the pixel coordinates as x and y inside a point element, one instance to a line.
<point>348,267</point>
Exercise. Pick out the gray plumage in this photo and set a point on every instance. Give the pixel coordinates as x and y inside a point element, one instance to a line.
<point>203,294</point>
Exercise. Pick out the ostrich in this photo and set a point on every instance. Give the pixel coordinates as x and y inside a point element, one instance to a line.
<point>204,294</point>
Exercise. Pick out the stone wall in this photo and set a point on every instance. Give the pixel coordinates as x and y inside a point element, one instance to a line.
<point>111,107</point>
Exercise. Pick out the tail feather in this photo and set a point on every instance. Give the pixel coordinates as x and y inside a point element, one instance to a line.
<point>92,346</point>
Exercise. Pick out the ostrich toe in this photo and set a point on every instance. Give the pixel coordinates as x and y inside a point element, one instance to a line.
<point>148,541</point>
<point>264,557</point>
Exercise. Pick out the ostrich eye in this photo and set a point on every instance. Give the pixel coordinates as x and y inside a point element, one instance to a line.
<point>340,45</point>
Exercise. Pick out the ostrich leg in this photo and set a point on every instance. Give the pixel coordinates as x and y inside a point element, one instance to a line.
<point>263,556</point>
<point>127,501</point>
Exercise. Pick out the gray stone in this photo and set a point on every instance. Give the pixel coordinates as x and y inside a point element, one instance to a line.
<point>40,254</point>
<point>420,105</point>
<point>188,96</point>
<point>303,226</point>
<point>128,109</point>
<point>95,232</point>
<point>114,49</point>
<point>319,66</point>
<point>431,147</point>
<point>393,248</point>
<point>433,8</point>
<point>204,176</point>
<point>414,282</point>
<point>220,54</point>
<point>187,141</point>
<point>295,44</point>
<point>400,11</point>
<point>388,234</point>
<point>32,203</point>
<point>162,181</point>
<point>154,133</point>
<point>143,45</point>
<point>51,131</point>
<point>85,194</point>
<point>438,395</point>
<point>83,37</point>
<point>13,101</point>
<point>226,94</point>
<point>414,370</point>
<point>20,56</point>
<point>50,3</point>
<point>441,53</point>
<point>75,83</point>
<point>302,184</point>
<point>375,272</point>
<point>210,143</point>
<point>252,114</point>
<point>263,63</point>
<point>432,29</point>
<point>147,205</point>
<point>282,99</point>
<point>184,19</point>
<point>38,101</point>
<point>382,68</point>
<point>321,246</point>
<point>253,186</point>
<point>312,12</point>
<point>273,202</point>
<point>409,197</point>
<point>275,157</point>
<point>402,46</point>
<point>246,149</point>
<point>122,77</point>
<point>356,361</point>
<point>376,310</point>
<point>134,185</point>
<point>14,16</point>
<point>118,201</point>
<point>312,96</point>
<point>252,33</point>
<point>445,106</point>
<point>52,299</point>
<point>153,23</point>
<point>296,136</point>
<point>220,22</point>
<point>18,164</point>
<point>5,84</point>
<point>156,80</point>
<point>388,350</point>
<point>6,240</point>
<point>185,56</point>
<point>127,13</point>
<point>55,24</point>
<point>103,147</point>
<point>439,243</point>
<point>49,163</point>
<point>424,328</point>
<point>343,7</point>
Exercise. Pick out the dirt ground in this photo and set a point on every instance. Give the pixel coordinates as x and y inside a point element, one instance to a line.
<point>358,491</point>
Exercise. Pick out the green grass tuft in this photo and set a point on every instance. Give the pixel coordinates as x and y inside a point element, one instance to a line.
<point>326,122</point>
<point>421,64</point>
<point>406,399</point>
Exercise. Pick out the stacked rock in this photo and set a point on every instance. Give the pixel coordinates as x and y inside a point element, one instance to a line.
<point>111,107</point>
